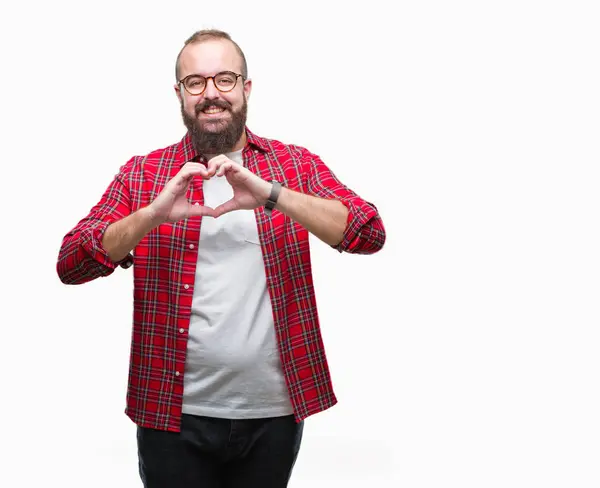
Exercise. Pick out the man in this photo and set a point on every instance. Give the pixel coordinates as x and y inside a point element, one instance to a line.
<point>227,358</point>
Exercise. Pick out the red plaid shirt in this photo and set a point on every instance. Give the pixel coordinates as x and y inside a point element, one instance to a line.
<point>165,269</point>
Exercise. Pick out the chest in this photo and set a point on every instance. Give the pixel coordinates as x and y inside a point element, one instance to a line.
<point>174,241</point>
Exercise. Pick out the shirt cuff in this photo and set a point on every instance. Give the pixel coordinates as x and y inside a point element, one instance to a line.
<point>92,243</point>
<point>358,216</point>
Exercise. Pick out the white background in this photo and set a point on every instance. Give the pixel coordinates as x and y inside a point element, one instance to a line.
<point>465,354</point>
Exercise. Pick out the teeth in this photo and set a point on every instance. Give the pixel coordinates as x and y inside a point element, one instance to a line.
<point>212,110</point>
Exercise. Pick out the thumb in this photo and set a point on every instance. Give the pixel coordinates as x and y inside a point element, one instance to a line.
<point>200,211</point>
<point>225,207</point>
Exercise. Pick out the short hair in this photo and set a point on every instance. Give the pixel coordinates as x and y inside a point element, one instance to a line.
<point>211,34</point>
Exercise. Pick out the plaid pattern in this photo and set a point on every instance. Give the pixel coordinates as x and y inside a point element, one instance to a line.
<point>165,266</point>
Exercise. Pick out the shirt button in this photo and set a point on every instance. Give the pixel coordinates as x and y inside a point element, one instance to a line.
<point>191,246</point>
<point>176,373</point>
<point>186,286</point>
<point>182,330</point>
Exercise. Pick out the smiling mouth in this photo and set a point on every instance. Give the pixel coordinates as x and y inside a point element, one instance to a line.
<point>213,110</point>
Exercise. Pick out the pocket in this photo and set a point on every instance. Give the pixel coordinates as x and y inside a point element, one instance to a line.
<point>251,232</point>
<point>240,229</point>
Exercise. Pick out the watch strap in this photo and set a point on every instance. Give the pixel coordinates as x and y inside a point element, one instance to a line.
<point>272,200</point>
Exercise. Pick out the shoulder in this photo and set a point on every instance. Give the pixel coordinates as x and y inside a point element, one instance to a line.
<point>153,161</point>
<point>284,152</point>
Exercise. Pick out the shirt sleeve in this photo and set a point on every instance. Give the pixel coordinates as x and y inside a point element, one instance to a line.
<point>82,257</point>
<point>364,233</point>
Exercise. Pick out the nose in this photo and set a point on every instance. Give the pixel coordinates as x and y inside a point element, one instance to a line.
<point>211,90</point>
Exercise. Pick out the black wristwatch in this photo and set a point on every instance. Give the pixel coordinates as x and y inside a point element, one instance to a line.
<point>272,200</point>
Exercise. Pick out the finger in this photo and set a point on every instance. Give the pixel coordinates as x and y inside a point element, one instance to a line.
<point>186,174</point>
<point>229,166</point>
<point>225,207</point>
<point>193,167</point>
<point>192,164</point>
<point>200,211</point>
<point>213,165</point>
<point>181,181</point>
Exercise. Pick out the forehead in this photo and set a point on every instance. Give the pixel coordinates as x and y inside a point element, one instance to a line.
<point>209,57</point>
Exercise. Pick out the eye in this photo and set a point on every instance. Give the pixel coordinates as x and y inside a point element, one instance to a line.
<point>194,82</point>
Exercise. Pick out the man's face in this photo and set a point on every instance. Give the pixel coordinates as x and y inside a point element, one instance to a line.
<point>215,119</point>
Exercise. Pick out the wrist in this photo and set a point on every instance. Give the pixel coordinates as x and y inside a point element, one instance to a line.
<point>150,217</point>
<point>273,198</point>
<point>265,191</point>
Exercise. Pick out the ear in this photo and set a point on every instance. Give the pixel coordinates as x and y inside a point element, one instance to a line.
<point>178,89</point>
<point>248,88</point>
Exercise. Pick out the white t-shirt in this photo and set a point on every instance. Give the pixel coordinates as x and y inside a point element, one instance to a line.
<point>232,369</point>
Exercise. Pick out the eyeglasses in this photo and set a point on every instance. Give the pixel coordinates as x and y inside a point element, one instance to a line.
<point>225,81</point>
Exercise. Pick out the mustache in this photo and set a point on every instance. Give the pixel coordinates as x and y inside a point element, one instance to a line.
<point>211,103</point>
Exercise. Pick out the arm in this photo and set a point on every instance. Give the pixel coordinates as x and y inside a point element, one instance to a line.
<point>122,236</point>
<point>82,256</point>
<point>363,231</point>
<point>324,218</point>
<point>101,241</point>
<point>324,206</point>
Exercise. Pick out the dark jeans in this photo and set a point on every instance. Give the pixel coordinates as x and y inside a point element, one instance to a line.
<point>220,453</point>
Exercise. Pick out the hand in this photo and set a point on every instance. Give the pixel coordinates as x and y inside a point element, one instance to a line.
<point>249,190</point>
<point>172,205</point>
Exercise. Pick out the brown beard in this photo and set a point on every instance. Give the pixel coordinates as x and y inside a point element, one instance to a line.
<point>221,141</point>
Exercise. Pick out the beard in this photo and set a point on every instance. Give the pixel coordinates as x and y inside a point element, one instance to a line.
<point>223,135</point>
